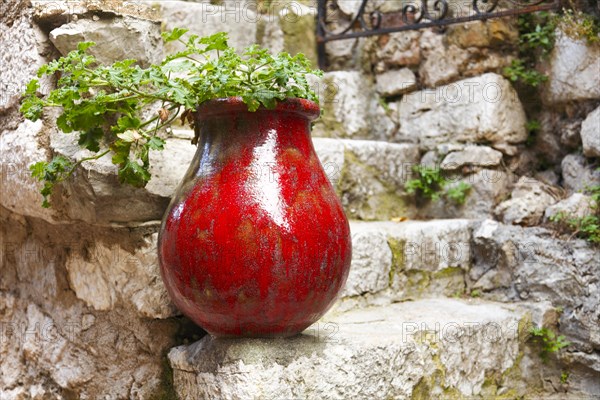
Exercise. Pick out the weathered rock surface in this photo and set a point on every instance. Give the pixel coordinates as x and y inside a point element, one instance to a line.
<point>527,204</point>
<point>53,344</point>
<point>398,261</point>
<point>488,188</point>
<point>516,263</point>
<point>58,12</point>
<point>578,205</point>
<point>19,149</point>
<point>239,20</point>
<point>396,82</point>
<point>399,49</point>
<point>23,49</point>
<point>572,58</point>
<point>422,348</point>
<point>578,174</point>
<point>109,276</point>
<point>137,38</point>
<point>483,34</point>
<point>484,109</point>
<point>590,134</point>
<point>442,64</point>
<point>479,156</point>
<point>369,176</point>
<point>345,97</point>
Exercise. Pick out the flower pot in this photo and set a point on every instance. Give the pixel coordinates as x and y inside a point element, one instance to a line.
<point>255,241</point>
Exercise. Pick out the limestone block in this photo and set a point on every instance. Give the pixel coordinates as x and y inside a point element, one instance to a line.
<point>396,82</point>
<point>117,38</point>
<point>110,275</point>
<point>427,346</point>
<point>590,134</point>
<point>482,109</point>
<point>480,156</point>
<point>573,71</point>
<point>527,204</point>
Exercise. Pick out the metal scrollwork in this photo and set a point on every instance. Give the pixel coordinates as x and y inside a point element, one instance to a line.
<point>417,14</point>
<point>489,9</point>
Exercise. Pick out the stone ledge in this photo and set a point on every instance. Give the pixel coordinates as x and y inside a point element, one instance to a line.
<point>409,260</point>
<point>369,177</point>
<point>417,349</point>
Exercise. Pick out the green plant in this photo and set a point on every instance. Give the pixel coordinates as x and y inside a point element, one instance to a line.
<point>520,71</point>
<point>579,25</point>
<point>594,192</point>
<point>475,293</point>
<point>430,185</point>
<point>459,192</point>
<point>536,39</point>
<point>548,341</point>
<point>564,377</point>
<point>587,227</point>
<point>532,126</point>
<point>107,104</point>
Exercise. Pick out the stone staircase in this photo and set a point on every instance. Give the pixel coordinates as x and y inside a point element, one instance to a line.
<point>404,327</point>
<point>424,349</point>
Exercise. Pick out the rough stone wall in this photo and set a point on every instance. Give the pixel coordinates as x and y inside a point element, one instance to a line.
<point>83,313</point>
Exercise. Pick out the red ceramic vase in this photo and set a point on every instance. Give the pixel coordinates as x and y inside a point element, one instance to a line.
<point>255,241</point>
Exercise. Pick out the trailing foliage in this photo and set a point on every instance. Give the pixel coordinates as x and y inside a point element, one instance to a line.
<point>430,185</point>
<point>537,37</point>
<point>106,104</point>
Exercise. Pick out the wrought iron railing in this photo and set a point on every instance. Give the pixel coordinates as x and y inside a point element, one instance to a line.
<point>414,14</point>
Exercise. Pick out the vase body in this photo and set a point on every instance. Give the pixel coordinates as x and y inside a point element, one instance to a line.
<point>255,242</point>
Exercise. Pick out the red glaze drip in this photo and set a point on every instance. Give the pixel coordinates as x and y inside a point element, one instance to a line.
<point>255,242</point>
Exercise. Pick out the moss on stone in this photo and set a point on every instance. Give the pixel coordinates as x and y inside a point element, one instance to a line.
<point>417,282</point>
<point>397,247</point>
<point>362,204</point>
<point>328,125</point>
<point>448,272</point>
<point>299,34</point>
<point>166,390</point>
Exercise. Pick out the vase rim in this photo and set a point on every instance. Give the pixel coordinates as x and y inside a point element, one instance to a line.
<point>226,105</point>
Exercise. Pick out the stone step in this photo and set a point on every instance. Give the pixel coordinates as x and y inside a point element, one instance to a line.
<point>391,262</point>
<point>396,261</point>
<point>369,177</point>
<point>423,349</point>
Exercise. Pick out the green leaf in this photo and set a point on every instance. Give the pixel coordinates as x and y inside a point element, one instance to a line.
<point>127,122</point>
<point>175,34</point>
<point>218,41</point>
<point>110,103</point>
<point>156,143</point>
<point>83,46</point>
<point>91,139</point>
<point>134,174</point>
<point>38,169</point>
<point>32,87</point>
<point>51,173</point>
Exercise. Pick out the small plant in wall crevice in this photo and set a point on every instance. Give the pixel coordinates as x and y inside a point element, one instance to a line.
<point>549,342</point>
<point>431,184</point>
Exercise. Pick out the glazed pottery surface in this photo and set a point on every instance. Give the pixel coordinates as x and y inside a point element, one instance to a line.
<point>255,241</point>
